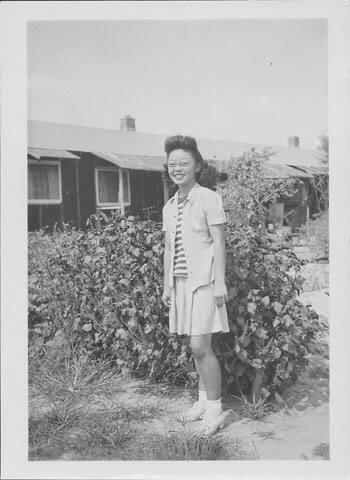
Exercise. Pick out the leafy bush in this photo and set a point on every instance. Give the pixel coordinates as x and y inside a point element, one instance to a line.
<point>100,290</point>
<point>271,329</point>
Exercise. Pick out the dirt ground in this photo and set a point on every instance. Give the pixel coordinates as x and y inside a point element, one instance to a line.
<point>316,277</point>
<point>297,428</point>
<point>300,428</point>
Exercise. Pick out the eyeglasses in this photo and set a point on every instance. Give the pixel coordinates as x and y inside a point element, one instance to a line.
<point>172,166</point>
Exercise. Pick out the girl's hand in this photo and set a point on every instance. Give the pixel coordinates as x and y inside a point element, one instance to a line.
<point>166,297</point>
<point>220,294</point>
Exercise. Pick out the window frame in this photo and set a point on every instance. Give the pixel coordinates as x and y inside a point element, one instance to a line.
<point>128,202</point>
<point>41,201</point>
<point>112,205</point>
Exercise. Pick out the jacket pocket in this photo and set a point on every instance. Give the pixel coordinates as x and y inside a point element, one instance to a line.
<point>199,224</point>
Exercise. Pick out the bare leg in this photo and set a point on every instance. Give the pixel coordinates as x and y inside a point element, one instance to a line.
<point>200,381</point>
<point>208,365</point>
<point>201,385</point>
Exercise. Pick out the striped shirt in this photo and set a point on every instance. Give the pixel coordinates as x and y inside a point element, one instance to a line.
<point>180,264</point>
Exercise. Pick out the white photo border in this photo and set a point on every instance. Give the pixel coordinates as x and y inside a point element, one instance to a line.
<point>14,441</point>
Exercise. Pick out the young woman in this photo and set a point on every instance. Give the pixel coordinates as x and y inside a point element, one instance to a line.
<point>194,273</point>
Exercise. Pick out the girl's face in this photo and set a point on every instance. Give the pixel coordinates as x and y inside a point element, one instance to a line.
<point>182,167</point>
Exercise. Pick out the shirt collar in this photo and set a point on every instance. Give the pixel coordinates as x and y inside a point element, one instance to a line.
<point>190,197</point>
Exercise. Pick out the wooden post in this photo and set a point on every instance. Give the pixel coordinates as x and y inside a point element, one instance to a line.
<point>61,214</point>
<point>121,192</point>
<point>40,216</point>
<point>60,186</point>
<point>143,191</point>
<point>256,386</point>
<point>77,191</point>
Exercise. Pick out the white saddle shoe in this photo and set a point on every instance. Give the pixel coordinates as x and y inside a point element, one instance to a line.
<point>196,412</point>
<point>212,422</point>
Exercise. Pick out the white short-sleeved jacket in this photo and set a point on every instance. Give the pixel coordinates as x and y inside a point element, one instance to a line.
<point>202,207</point>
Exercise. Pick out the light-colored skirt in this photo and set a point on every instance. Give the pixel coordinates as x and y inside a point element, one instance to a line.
<point>195,313</point>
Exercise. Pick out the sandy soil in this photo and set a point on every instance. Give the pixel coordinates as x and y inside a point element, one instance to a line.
<point>299,430</point>
<point>316,276</point>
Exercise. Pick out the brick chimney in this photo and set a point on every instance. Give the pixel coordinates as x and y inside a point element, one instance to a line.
<point>127,123</point>
<point>293,141</point>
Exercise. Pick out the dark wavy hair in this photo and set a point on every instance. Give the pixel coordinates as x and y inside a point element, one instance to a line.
<point>186,143</point>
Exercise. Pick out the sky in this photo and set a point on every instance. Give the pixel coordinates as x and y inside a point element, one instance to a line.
<point>257,81</point>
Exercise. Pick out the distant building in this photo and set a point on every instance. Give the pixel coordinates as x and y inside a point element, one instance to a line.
<point>75,171</point>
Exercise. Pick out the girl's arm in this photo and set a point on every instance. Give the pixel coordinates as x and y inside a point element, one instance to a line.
<point>217,233</point>
<point>166,291</point>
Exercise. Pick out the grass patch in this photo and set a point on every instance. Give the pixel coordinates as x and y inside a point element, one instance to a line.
<point>256,409</point>
<point>177,445</point>
<point>106,430</point>
<point>76,415</point>
<point>72,433</point>
<point>48,434</point>
<point>52,425</point>
<point>76,377</point>
<point>81,433</point>
<point>138,413</point>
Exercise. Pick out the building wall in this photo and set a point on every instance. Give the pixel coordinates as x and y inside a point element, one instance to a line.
<point>69,194</point>
<point>146,192</point>
<point>147,195</point>
<point>49,216</point>
<point>87,192</point>
<point>43,216</point>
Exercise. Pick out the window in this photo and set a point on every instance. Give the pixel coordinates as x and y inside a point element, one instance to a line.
<point>44,182</point>
<point>108,184</point>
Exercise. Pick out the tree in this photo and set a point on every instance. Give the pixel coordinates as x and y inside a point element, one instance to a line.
<point>323,147</point>
<point>248,191</point>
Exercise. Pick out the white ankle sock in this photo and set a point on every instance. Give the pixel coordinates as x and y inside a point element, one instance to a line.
<point>213,406</point>
<point>202,396</point>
